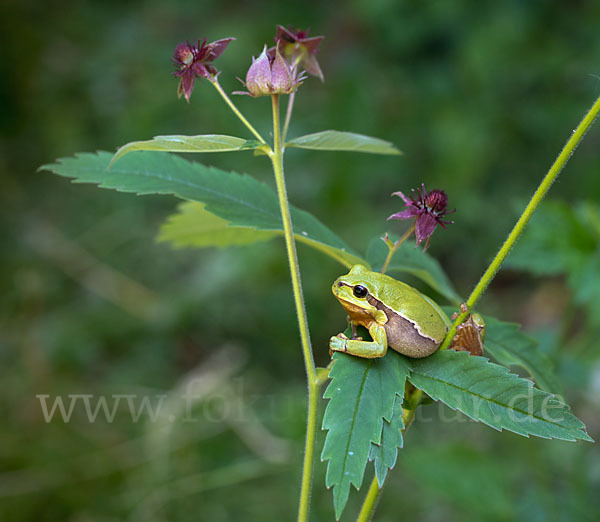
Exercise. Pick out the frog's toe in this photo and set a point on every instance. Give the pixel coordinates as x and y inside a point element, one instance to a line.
<point>338,344</point>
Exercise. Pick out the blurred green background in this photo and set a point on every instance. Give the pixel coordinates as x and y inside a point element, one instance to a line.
<point>479,96</point>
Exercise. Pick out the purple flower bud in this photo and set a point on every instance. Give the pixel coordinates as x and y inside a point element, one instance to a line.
<point>281,75</point>
<point>270,75</point>
<point>258,78</point>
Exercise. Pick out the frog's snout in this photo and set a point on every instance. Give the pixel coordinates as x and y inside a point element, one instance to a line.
<point>335,286</point>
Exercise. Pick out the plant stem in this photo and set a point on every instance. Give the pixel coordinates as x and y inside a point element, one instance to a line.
<point>288,115</point>
<point>290,104</point>
<point>539,194</point>
<point>374,493</point>
<point>309,451</point>
<point>368,507</point>
<point>236,111</point>
<point>396,246</point>
<point>311,373</point>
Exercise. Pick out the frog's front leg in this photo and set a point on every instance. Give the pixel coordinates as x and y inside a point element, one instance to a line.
<point>368,349</point>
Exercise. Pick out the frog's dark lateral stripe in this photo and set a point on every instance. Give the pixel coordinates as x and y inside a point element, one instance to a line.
<point>391,314</point>
<point>402,331</point>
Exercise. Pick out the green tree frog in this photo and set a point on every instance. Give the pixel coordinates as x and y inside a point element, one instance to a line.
<point>396,315</point>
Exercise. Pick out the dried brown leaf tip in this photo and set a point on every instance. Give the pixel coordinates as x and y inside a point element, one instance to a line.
<point>470,334</point>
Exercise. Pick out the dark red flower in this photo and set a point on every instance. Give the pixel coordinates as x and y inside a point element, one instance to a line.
<point>194,61</point>
<point>299,50</point>
<point>428,209</point>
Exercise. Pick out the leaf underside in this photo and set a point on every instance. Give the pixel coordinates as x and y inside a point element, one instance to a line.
<point>177,143</point>
<point>489,393</point>
<point>238,199</point>
<point>343,141</point>
<point>193,226</point>
<point>362,393</point>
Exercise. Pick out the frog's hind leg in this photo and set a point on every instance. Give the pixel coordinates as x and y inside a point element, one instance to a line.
<point>368,349</point>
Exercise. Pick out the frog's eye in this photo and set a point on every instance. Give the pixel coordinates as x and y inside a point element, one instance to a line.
<point>360,291</point>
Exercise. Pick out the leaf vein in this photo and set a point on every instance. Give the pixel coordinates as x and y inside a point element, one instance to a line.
<point>466,390</point>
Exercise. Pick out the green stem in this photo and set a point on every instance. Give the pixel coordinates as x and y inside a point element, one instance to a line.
<point>288,115</point>
<point>368,507</point>
<point>396,246</point>
<point>236,111</point>
<point>539,194</point>
<point>309,451</point>
<point>374,493</point>
<point>290,104</point>
<point>311,373</point>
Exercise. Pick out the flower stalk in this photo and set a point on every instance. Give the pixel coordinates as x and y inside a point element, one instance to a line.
<point>272,75</point>
<point>311,372</point>
<point>393,248</point>
<point>236,111</point>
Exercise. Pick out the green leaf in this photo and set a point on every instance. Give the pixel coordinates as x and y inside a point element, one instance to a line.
<point>194,226</point>
<point>508,345</point>
<point>361,394</point>
<point>386,453</point>
<point>237,198</point>
<point>345,141</point>
<point>488,393</point>
<point>413,261</point>
<point>176,143</point>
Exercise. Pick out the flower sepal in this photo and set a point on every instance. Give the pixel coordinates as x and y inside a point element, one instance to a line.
<point>298,49</point>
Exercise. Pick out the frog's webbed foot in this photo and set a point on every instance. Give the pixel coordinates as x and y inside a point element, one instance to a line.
<point>360,348</point>
<point>338,344</point>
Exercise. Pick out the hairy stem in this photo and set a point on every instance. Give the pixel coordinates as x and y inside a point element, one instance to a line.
<point>374,493</point>
<point>236,111</point>
<point>311,372</point>
<point>518,229</point>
